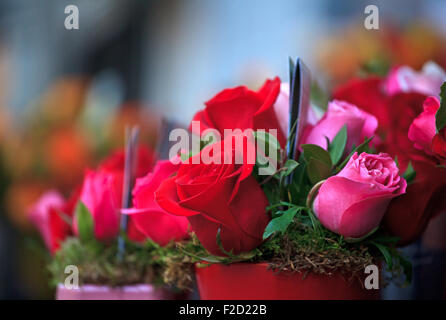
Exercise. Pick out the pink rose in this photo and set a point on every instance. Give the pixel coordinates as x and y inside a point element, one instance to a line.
<point>40,215</point>
<point>353,202</point>
<point>148,217</point>
<point>360,125</point>
<point>404,79</point>
<point>101,193</point>
<point>422,130</point>
<point>49,215</point>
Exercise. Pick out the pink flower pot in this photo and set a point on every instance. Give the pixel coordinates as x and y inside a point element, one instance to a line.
<point>254,281</point>
<point>131,292</point>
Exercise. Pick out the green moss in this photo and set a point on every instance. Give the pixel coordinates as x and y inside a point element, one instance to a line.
<point>98,263</point>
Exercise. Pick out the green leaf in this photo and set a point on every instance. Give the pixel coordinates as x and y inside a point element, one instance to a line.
<point>385,252</point>
<point>337,146</point>
<point>84,222</point>
<point>440,116</point>
<point>363,147</point>
<point>314,221</point>
<point>317,170</point>
<point>410,174</point>
<point>318,153</point>
<point>290,166</point>
<point>281,223</point>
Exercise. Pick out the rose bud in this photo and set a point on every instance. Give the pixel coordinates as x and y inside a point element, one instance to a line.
<point>221,195</point>
<point>353,202</point>
<point>360,125</point>
<point>148,219</point>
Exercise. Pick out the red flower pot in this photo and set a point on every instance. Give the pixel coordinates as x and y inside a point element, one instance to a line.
<point>98,292</point>
<point>254,281</point>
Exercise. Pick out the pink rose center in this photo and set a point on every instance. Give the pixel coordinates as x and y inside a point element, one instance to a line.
<point>380,171</point>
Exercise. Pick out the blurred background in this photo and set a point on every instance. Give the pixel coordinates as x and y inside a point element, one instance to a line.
<point>66,95</point>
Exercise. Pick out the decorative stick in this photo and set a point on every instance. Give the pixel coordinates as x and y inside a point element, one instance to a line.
<point>300,86</point>
<point>130,165</point>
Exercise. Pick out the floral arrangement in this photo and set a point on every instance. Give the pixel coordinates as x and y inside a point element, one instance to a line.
<point>365,177</point>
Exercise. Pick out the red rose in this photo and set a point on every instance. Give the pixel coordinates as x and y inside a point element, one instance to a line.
<point>368,95</point>
<point>148,219</point>
<point>116,161</point>
<point>241,108</point>
<point>409,214</point>
<point>214,197</point>
<point>439,145</point>
<point>403,108</point>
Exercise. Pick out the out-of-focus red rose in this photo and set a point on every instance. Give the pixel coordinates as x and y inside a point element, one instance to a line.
<point>51,215</point>
<point>409,214</point>
<point>368,95</point>
<point>223,197</point>
<point>149,220</point>
<point>102,191</point>
<point>403,108</point>
<point>371,181</point>
<point>116,161</point>
<point>360,125</point>
<point>241,108</point>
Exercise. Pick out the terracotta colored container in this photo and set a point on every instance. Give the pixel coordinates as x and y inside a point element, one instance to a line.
<point>248,281</point>
<point>97,292</point>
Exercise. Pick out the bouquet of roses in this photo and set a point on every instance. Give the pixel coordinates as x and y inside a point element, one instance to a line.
<point>368,178</point>
<point>365,177</point>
